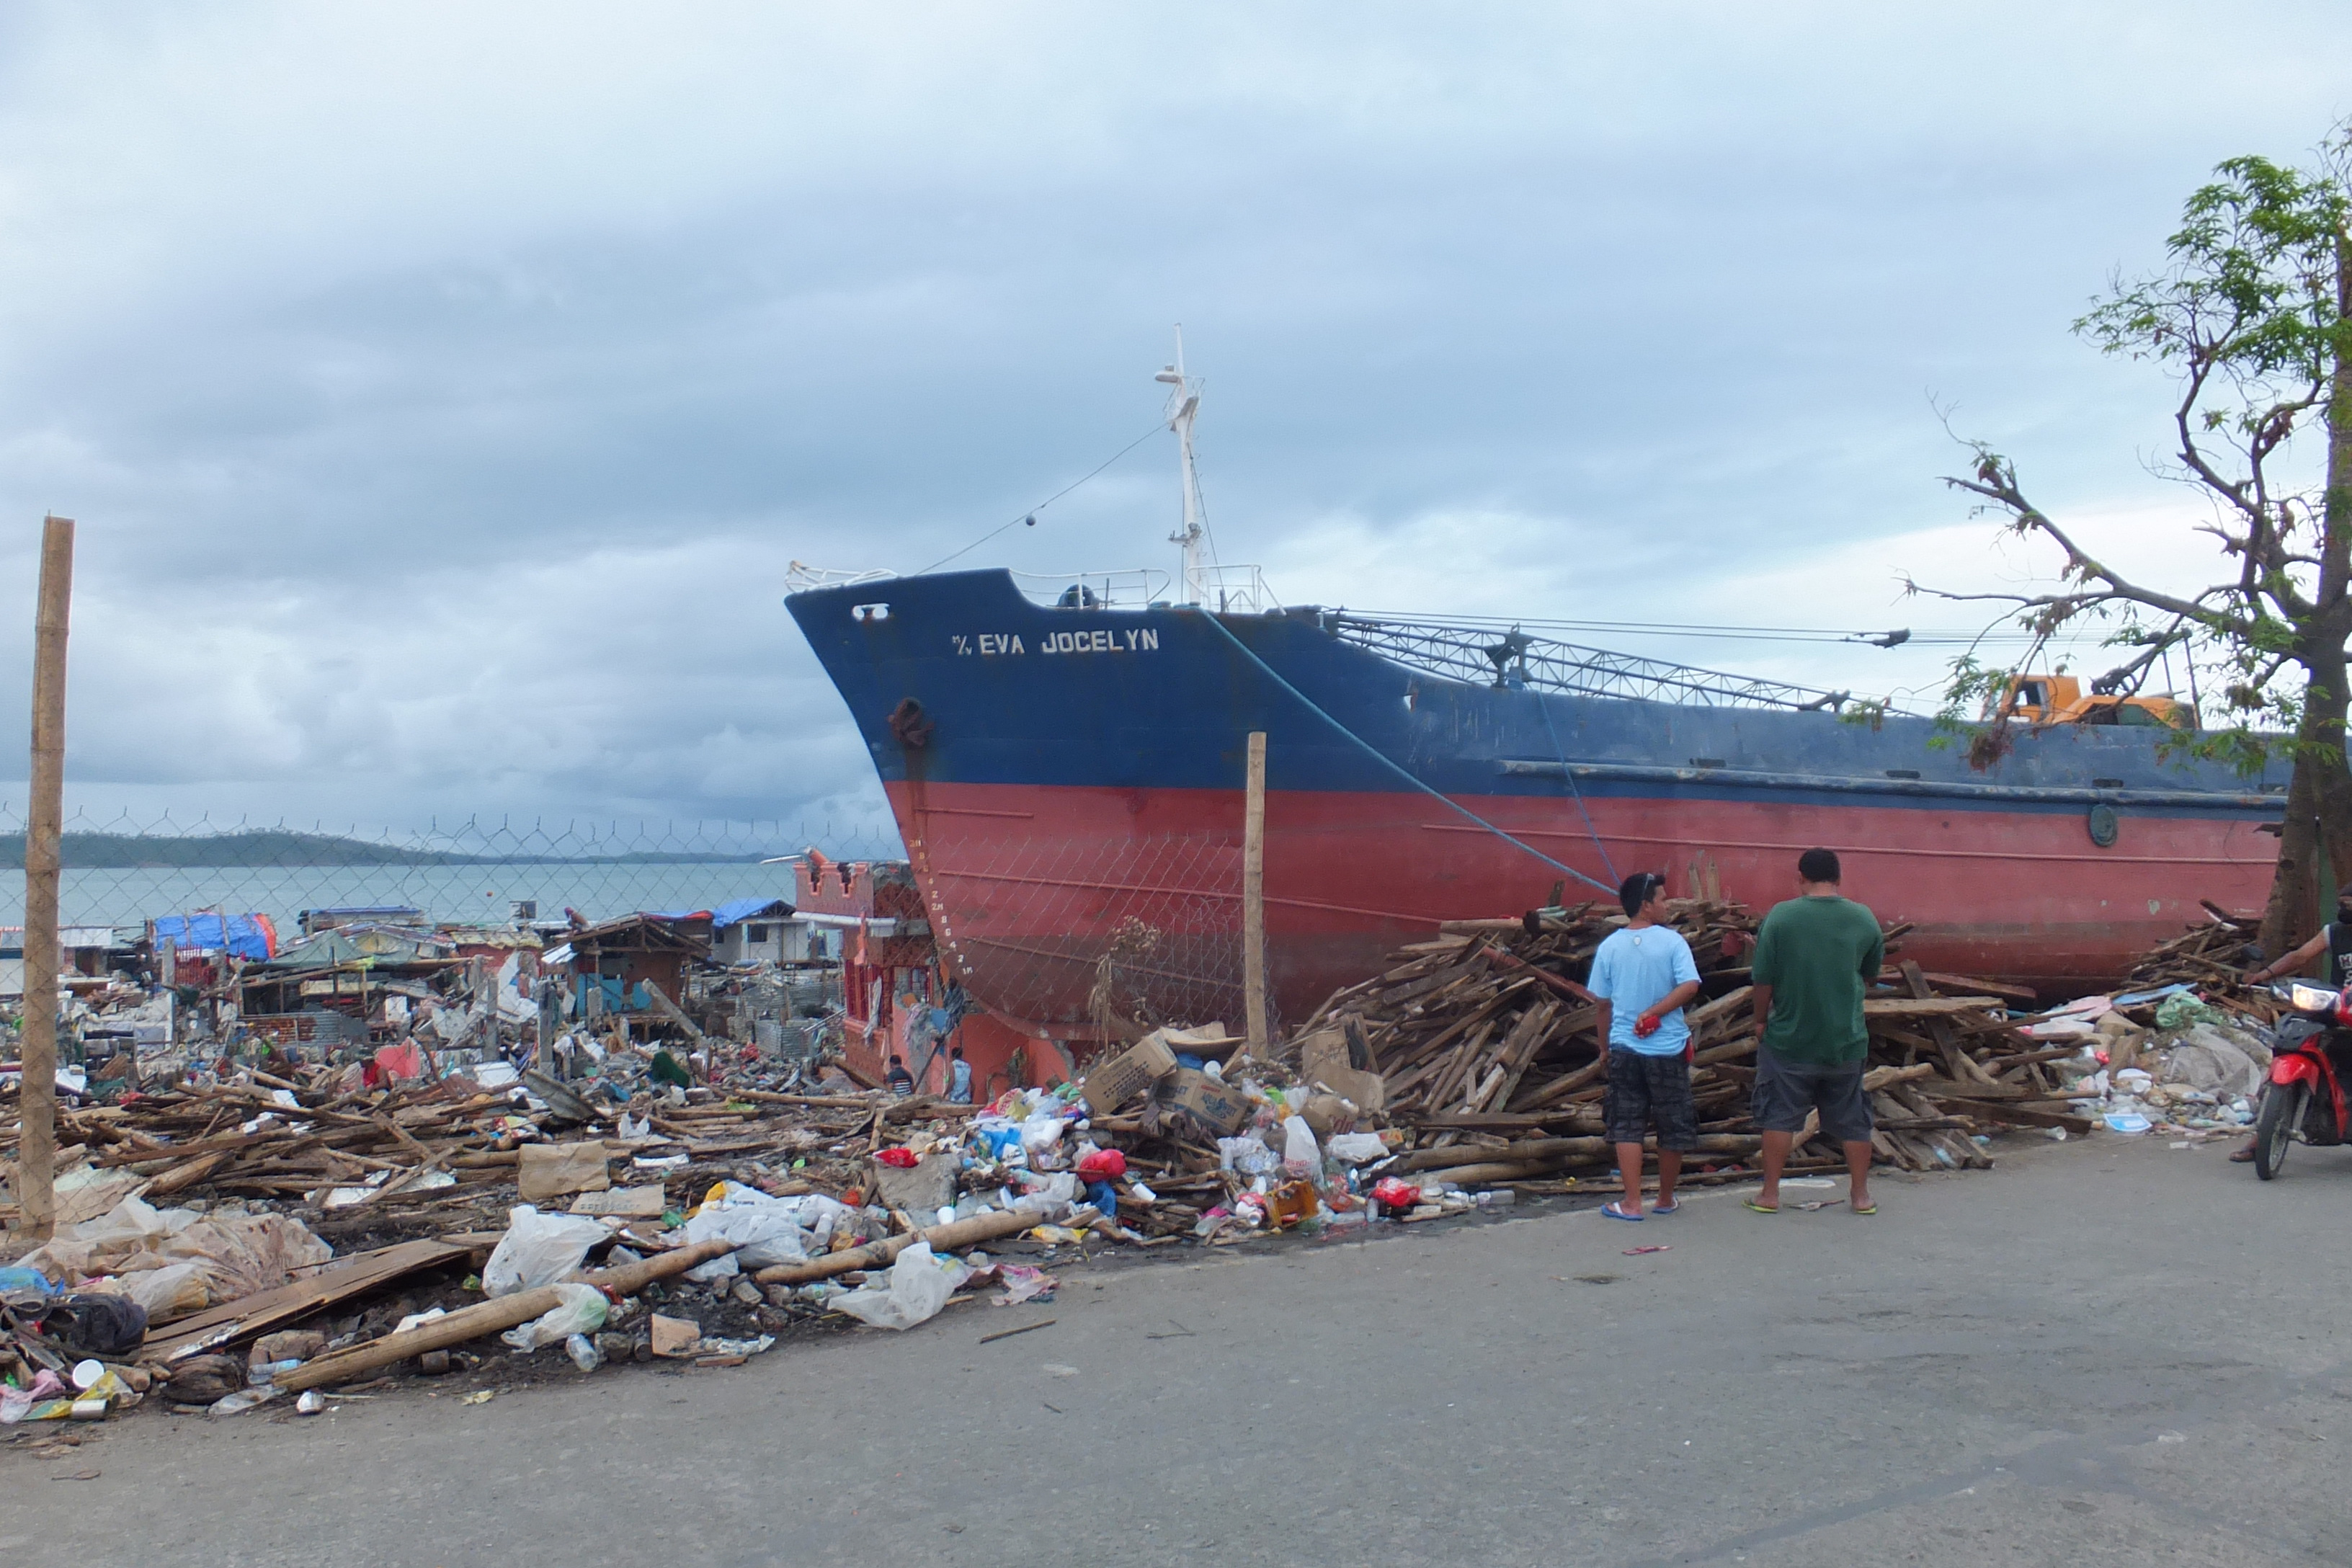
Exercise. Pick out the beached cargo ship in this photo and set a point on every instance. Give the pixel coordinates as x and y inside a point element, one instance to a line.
<point>1069,775</point>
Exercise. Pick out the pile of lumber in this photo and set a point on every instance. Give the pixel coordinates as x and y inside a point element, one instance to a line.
<point>1484,1040</point>
<point>2214,952</point>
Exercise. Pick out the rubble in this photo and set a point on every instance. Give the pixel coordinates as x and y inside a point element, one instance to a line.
<point>290,1226</point>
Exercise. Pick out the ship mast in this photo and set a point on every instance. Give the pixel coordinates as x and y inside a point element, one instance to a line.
<point>1183,404</point>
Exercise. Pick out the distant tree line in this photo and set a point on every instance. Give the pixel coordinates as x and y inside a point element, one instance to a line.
<point>267,847</point>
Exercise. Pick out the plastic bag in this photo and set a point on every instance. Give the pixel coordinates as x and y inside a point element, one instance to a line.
<point>1245,1154</point>
<point>899,1159</point>
<point>538,1249</point>
<point>1040,1134</point>
<point>1103,1165</point>
<point>1357,1148</point>
<point>582,1312</point>
<point>176,1291</point>
<point>920,1286</point>
<point>1298,1145</point>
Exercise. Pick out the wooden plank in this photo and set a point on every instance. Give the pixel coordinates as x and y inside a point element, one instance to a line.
<point>257,1315</point>
<point>1254,898</point>
<point>38,1034</point>
<point>1929,1006</point>
<point>2015,1115</point>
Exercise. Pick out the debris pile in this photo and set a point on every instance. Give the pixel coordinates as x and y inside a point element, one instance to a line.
<point>1483,1042</point>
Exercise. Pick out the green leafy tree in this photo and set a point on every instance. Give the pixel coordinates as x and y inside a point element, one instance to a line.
<point>2252,315</point>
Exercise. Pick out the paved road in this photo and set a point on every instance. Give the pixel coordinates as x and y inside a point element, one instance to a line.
<point>2112,1354</point>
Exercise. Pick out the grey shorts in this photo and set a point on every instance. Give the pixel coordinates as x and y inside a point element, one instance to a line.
<point>1651,1092</point>
<point>1785,1091</point>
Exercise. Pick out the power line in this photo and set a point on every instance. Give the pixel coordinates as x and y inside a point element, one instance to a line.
<point>1030,517</point>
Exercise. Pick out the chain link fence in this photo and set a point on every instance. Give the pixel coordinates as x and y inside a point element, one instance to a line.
<point>1123,935</point>
<point>121,873</point>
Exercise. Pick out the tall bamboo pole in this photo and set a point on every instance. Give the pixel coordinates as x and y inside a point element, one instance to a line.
<point>1254,898</point>
<point>37,1147</point>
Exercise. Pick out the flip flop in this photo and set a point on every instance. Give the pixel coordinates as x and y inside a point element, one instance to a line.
<point>1760,1208</point>
<point>1615,1212</point>
<point>1864,1208</point>
<point>1674,1207</point>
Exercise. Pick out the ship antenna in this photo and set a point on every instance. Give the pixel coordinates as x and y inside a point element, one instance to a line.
<point>1183,404</point>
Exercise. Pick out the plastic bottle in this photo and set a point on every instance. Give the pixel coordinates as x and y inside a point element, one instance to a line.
<point>585,1352</point>
<point>239,1402</point>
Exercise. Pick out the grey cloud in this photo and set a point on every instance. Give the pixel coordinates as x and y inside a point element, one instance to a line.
<point>443,394</point>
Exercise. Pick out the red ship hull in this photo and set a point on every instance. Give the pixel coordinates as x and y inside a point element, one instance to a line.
<point>1028,883</point>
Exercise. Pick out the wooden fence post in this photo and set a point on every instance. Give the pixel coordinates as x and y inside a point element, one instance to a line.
<point>1254,899</point>
<point>37,1146</point>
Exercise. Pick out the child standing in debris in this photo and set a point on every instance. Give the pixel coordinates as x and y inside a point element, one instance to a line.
<point>900,1080</point>
<point>959,1077</point>
<point>1643,975</point>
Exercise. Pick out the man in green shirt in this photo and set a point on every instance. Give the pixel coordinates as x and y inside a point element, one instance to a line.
<point>1815,956</point>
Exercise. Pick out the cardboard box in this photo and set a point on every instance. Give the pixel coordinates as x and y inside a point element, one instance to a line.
<point>544,1171</point>
<point>1219,1107</point>
<point>1324,1059</point>
<point>1111,1083</point>
<point>924,1187</point>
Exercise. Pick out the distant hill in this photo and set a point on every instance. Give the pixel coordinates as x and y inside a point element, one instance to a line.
<point>256,846</point>
<point>265,846</point>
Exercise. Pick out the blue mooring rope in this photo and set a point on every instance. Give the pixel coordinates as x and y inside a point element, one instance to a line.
<point>1383,759</point>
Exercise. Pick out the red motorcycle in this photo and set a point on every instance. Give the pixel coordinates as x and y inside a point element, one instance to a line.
<point>2311,1058</point>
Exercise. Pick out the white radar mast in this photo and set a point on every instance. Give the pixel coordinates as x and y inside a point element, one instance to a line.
<point>1183,402</point>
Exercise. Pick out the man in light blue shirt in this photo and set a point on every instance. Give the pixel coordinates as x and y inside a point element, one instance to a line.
<point>1643,975</point>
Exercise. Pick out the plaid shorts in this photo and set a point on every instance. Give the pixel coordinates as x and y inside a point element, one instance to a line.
<point>1644,1091</point>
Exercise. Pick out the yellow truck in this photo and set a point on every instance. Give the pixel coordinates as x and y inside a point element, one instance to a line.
<point>2061,699</point>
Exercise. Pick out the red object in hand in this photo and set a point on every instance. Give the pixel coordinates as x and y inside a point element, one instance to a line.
<point>1103,1165</point>
<point>898,1159</point>
<point>1645,1027</point>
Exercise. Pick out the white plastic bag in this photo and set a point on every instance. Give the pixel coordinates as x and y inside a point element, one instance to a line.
<point>538,1249</point>
<point>174,1291</point>
<point>1247,1155</point>
<point>920,1286</point>
<point>764,1233</point>
<point>1299,1146</point>
<point>583,1312</point>
<point>1357,1148</point>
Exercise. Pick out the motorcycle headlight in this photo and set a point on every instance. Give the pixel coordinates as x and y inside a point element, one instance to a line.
<point>2310,998</point>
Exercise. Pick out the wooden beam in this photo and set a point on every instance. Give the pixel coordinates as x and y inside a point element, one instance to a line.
<point>1254,899</point>
<point>44,825</point>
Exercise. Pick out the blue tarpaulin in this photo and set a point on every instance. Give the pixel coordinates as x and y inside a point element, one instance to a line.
<point>250,936</point>
<point>732,913</point>
<point>743,909</point>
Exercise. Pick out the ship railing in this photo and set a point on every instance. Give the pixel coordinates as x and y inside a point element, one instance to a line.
<point>1127,588</point>
<point>1479,656</point>
<point>800,577</point>
<point>1228,590</point>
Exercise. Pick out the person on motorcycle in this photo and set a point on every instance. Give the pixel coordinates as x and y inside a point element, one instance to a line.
<point>2333,938</point>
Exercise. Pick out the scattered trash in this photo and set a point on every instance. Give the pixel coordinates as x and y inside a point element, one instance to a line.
<point>1638,1251</point>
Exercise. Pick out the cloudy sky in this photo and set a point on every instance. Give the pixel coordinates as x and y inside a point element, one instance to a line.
<point>443,391</point>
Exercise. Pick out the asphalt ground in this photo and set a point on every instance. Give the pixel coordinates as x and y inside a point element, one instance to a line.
<point>2112,1352</point>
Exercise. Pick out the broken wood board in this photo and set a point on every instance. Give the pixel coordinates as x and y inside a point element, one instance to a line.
<point>630,1202</point>
<point>354,1276</point>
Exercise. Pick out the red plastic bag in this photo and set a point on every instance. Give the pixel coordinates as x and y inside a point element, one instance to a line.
<point>898,1159</point>
<point>1391,1194</point>
<point>1103,1165</point>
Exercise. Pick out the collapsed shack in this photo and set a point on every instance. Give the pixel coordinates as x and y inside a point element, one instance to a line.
<point>222,1244</point>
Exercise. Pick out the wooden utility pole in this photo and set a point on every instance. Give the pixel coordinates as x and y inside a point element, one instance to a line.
<point>37,1147</point>
<point>1254,898</point>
